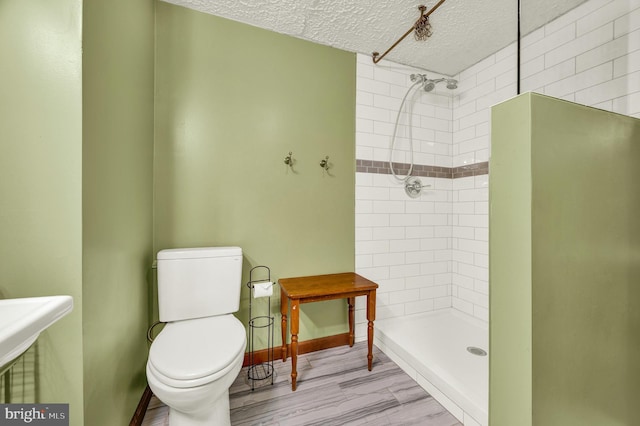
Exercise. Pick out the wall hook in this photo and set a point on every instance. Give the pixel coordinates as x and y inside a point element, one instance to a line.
<point>325,163</point>
<point>288,160</point>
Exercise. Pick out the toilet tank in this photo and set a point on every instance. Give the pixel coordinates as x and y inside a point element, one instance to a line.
<point>198,282</point>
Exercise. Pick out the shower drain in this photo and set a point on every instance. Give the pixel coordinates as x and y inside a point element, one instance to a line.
<point>476,351</point>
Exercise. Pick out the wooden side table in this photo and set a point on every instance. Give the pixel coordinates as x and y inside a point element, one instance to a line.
<point>348,285</point>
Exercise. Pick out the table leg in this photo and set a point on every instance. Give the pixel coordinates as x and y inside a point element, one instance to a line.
<point>284,306</point>
<point>371,316</point>
<point>295,323</point>
<point>351,301</point>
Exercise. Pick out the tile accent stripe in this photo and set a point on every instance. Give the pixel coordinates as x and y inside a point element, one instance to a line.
<point>382,167</point>
<point>476,169</point>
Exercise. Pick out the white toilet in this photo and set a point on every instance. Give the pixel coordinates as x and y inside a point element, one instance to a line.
<point>197,356</point>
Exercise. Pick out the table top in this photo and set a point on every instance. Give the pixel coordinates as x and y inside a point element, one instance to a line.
<point>325,285</point>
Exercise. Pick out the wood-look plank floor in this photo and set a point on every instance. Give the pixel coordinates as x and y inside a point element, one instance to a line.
<point>334,388</point>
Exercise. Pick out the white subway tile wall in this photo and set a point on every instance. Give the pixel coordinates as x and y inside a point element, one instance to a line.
<point>432,252</point>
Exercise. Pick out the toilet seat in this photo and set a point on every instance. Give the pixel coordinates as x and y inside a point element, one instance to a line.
<point>195,352</point>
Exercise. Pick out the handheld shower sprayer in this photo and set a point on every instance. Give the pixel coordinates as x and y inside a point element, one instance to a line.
<point>412,185</point>
<point>418,77</point>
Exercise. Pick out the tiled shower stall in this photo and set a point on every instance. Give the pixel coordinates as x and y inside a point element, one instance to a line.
<point>432,252</point>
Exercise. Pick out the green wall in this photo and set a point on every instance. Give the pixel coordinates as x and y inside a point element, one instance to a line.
<point>117,189</point>
<point>510,263</point>
<point>76,174</point>
<point>41,178</point>
<point>231,102</point>
<point>582,268</point>
<point>76,130</point>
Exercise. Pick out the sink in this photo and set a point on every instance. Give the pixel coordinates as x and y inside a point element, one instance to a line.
<point>22,321</point>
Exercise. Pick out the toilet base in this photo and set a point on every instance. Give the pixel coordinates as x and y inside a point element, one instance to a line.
<point>217,414</point>
<point>202,401</point>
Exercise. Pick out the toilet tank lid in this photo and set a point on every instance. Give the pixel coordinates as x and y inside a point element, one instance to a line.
<point>198,253</point>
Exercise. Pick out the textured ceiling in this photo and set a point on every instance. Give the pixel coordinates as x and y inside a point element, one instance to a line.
<point>464,31</point>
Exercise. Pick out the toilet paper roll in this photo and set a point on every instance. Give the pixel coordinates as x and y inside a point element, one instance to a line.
<point>262,289</point>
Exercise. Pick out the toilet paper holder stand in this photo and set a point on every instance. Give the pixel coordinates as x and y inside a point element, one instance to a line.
<point>260,364</point>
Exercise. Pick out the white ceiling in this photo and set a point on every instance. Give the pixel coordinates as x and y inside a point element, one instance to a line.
<point>464,31</point>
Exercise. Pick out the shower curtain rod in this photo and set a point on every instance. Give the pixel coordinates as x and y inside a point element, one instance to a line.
<point>377,57</point>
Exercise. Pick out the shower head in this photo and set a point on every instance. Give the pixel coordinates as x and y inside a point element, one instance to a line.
<point>429,85</point>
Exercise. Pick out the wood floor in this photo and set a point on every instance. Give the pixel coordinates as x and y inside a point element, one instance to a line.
<point>334,388</point>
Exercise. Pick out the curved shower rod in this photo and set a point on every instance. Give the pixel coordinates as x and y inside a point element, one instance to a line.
<point>377,57</point>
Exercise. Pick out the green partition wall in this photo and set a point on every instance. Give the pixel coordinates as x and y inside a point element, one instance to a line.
<point>117,213</point>
<point>510,264</point>
<point>231,102</point>
<point>564,264</point>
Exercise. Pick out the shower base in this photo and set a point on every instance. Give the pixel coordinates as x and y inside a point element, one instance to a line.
<point>432,348</point>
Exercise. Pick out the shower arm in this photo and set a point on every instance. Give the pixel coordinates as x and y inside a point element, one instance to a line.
<point>377,57</point>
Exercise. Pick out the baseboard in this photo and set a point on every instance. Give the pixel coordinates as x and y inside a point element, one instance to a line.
<point>141,409</point>
<point>303,348</point>
<point>258,357</point>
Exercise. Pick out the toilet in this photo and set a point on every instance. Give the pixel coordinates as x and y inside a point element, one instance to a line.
<point>197,356</point>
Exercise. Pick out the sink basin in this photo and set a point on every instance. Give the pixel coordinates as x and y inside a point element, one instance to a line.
<point>22,321</point>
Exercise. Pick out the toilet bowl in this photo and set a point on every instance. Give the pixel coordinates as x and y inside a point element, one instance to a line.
<point>192,363</point>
